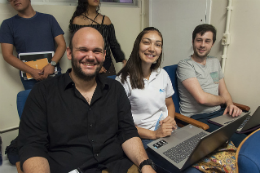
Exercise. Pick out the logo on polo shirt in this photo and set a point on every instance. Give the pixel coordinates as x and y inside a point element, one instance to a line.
<point>161,90</point>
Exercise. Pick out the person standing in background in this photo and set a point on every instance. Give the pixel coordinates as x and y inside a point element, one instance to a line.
<point>31,31</point>
<point>87,15</point>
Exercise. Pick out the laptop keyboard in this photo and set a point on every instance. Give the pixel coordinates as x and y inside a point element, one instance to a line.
<point>184,149</point>
<point>244,123</point>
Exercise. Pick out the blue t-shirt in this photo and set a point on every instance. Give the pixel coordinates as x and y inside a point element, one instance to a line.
<point>35,34</point>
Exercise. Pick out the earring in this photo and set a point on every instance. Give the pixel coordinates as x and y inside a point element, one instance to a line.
<point>154,62</point>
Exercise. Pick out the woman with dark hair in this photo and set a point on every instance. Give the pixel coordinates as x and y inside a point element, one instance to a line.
<point>150,91</point>
<point>87,15</point>
<point>149,87</point>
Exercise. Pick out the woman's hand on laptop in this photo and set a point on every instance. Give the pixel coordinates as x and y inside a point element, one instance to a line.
<point>163,131</point>
<point>166,127</point>
<point>169,120</point>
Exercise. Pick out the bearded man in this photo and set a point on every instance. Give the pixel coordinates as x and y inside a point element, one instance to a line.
<point>80,122</point>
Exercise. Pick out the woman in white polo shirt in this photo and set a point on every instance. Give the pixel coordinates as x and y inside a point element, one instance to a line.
<point>149,87</point>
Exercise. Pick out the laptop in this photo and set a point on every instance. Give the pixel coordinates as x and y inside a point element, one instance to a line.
<point>189,144</point>
<point>250,122</point>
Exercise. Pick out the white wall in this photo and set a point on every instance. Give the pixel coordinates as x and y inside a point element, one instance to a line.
<point>127,22</point>
<point>176,19</point>
<point>218,19</point>
<point>242,67</point>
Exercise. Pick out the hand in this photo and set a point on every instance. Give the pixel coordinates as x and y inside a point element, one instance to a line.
<point>171,121</point>
<point>147,169</point>
<point>232,110</point>
<point>124,62</point>
<point>37,74</point>
<point>48,70</point>
<point>103,70</point>
<point>164,130</point>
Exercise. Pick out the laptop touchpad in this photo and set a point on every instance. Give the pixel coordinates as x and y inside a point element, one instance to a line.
<point>181,135</point>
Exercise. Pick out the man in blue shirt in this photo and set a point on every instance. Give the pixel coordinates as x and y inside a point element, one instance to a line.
<point>31,31</point>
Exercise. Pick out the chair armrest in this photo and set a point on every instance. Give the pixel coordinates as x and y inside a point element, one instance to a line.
<point>242,107</point>
<point>17,164</point>
<point>191,121</point>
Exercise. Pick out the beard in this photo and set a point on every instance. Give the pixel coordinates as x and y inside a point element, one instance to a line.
<point>200,56</point>
<point>80,74</point>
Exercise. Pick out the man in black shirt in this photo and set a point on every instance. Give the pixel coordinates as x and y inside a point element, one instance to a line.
<point>79,121</point>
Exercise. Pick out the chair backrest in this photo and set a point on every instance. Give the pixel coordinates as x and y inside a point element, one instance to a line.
<point>171,70</point>
<point>20,101</point>
<point>248,153</point>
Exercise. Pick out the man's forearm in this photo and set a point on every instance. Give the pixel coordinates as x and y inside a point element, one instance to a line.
<point>134,150</point>
<point>7,51</point>
<point>61,47</point>
<point>17,63</point>
<point>58,53</point>
<point>202,97</point>
<point>223,92</point>
<point>36,165</point>
<point>211,100</point>
<point>228,99</point>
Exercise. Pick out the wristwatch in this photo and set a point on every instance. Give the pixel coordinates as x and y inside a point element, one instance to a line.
<point>53,63</point>
<point>146,162</point>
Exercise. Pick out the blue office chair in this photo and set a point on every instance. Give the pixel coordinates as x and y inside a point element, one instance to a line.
<point>248,153</point>
<point>20,101</point>
<point>171,70</point>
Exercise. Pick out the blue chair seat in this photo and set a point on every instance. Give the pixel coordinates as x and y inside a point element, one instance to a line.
<point>248,153</point>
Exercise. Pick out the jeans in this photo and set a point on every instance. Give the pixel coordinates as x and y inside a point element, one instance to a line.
<point>236,138</point>
<point>28,84</point>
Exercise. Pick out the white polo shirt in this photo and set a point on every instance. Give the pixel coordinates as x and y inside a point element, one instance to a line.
<point>148,104</point>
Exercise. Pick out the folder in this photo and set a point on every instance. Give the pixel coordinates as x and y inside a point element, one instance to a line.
<point>36,60</point>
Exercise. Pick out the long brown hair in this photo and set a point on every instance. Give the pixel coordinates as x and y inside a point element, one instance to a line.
<point>133,67</point>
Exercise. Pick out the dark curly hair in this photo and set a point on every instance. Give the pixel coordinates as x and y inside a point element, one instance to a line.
<point>133,67</point>
<point>81,8</point>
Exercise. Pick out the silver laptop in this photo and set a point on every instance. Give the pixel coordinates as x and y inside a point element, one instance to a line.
<point>189,144</point>
<point>250,121</point>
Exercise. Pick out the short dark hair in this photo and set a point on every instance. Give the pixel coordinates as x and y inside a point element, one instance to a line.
<point>202,29</point>
<point>133,67</point>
